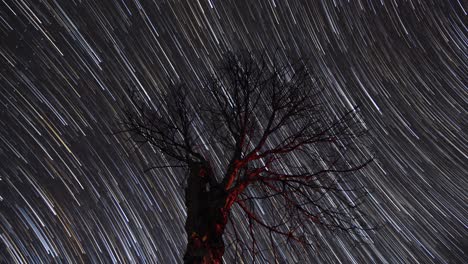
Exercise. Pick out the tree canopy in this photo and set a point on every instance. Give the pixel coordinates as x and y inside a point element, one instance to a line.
<point>255,133</point>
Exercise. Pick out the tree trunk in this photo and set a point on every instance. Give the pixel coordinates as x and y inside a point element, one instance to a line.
<point>206,217</point>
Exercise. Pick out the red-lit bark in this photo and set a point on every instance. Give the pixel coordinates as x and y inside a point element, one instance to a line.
<point>206,217</point>
<point>208,206</point>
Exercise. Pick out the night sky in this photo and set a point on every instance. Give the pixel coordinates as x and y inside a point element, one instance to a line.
<point>71,192</point>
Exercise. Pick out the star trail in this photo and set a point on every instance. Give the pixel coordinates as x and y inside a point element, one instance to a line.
<point>73,192</point>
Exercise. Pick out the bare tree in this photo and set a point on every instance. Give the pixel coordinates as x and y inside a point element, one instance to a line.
<point>255,134</point>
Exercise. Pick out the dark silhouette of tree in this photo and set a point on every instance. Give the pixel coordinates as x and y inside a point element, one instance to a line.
<point>254,134</point>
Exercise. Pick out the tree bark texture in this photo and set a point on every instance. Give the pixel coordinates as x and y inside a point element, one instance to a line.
<point>206,217</point>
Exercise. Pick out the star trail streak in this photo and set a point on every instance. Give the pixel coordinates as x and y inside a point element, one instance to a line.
<point>72,192</point>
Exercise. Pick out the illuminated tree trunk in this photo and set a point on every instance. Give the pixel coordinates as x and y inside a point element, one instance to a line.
<point>206,217</point>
